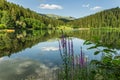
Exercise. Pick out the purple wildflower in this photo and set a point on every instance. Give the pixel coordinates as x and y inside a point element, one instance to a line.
<point>81,58</point>
<point>72,53</point>
<point>69,47</point>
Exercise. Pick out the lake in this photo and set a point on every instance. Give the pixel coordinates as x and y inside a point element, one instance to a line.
<point>35,53</point>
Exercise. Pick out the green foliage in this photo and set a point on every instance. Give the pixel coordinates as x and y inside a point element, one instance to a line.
<point>108,18</point>
<point>10,13</point>
<point>96,52</point>
<point>15,16</point>
<point>12,42</point>
<point>75,66</point>
<point>2,26</point>
<point>20,24</point>
<point>34,24</point>
<point>110,62</point>
<point>87,42</point>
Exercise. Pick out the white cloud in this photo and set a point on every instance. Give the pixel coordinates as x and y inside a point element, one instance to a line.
<point>96,8</point>
<point>49,48</point>
<point>86,5</point>
<point>50,6</point>
<point>91,8</point>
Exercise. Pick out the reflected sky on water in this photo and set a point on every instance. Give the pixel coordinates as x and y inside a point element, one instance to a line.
<point>40,59</point>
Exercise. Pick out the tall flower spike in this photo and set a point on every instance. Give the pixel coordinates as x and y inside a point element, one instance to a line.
<point>72,53</point>
<point>81,58</point>
<point>69,48</point>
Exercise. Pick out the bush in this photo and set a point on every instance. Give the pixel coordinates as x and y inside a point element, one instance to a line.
<point>2,26</point>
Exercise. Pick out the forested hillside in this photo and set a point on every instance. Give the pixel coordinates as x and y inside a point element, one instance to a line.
<point>107,18</point>
<point>13,16</point>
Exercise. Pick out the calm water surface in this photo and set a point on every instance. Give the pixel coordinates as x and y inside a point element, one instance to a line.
<point>26,54</point>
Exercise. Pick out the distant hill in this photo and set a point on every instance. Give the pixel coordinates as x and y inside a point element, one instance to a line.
<point>108,18</point>
<point>63,18</point>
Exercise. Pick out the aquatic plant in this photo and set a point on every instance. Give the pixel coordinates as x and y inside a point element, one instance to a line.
<point>108,68</point>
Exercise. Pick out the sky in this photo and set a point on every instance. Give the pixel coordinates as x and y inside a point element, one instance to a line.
<point>73,8</point>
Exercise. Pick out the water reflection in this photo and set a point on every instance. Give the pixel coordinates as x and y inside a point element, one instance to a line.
<point>19,40</point>
<point>21,69</point>
<point>49,48</point>
<point>26,54</point>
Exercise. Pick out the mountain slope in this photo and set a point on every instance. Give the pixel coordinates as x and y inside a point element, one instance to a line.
<point>59,17</point>
<point>107,18</point>
<point>62,18</point>
<point>13,16</point>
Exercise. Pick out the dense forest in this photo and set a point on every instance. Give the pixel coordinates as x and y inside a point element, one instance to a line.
<point>108,18</point>
<point>13,16</point>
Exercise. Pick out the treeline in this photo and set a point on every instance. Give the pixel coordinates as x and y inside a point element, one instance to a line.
<point>13,16</point>
<point>108,18</point>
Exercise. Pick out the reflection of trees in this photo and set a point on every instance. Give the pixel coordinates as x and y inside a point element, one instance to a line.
<point>109,38</point>
<point>19,40</point>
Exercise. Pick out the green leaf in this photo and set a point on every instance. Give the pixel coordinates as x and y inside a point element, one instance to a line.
<point>108,51</point>
<point>106,60</point>
<point>116,62</point>
<point>93,47</point>
<point>95,62</point>
<point>99,45</point>
<point>96,52</point>
<point>117,57</point>
<point>87,42</point>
